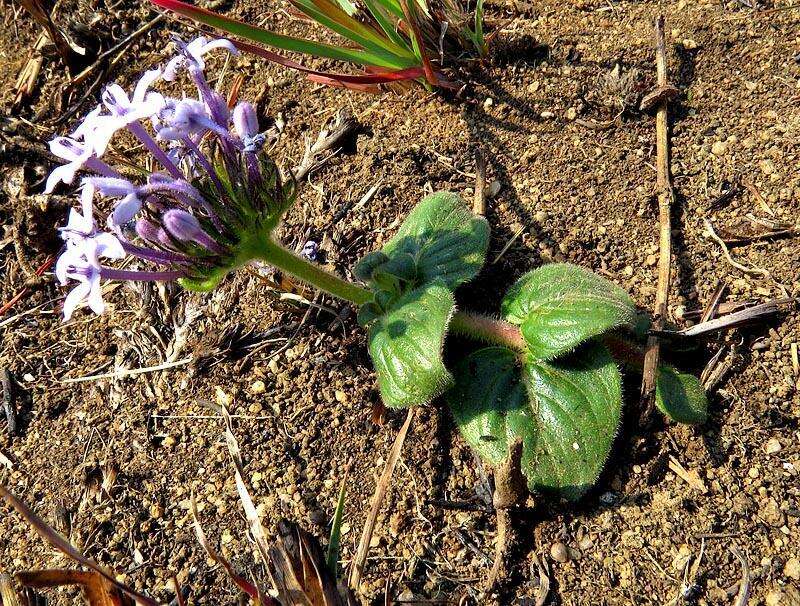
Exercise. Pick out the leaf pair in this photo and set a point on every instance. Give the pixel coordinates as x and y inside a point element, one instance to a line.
<point>438,247</point>
<point>563,395</point>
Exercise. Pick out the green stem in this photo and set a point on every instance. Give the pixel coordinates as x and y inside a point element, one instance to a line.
<point>480,328</point>
<point>287,261</point>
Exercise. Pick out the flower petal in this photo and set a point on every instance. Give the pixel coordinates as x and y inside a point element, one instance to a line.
<point>75,298</point>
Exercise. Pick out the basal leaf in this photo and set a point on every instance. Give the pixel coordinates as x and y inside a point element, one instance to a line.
<point>405,344</point>
<point>681,396</point>
<point>566,412</point>
<point>560,306</point>
<point>447,241</point>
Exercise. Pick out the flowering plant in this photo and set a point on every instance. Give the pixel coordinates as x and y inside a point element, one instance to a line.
<point>547,378</point>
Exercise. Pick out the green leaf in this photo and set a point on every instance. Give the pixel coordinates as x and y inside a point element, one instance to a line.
<point>335,540</point>
<point>566,413</point>
<point>445,239</point>
<point>368,264</point>
<point>681,396</point>
<point>406,343</point>
<point>560,306</point>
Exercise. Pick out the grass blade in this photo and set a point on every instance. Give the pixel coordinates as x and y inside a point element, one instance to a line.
<point>478,37</point>
<point>334,542</point>
<point>381,16</point>
<point>258,34</point>
<point>345,80</point>
<point>331,16</point>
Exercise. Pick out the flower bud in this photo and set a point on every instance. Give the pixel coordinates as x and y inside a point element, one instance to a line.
<point>245,120</point>
<point>151,232</point>
<point>182,225</point>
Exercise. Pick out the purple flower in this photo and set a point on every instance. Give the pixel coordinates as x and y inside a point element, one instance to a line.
<point>80,224</point>
<point>130,193</point>
<point>197,225</point>
<point>183,118</point>
<point>194,51</point>
<point>98,129</point>
<point>81,259</point>
<point>310,250</point>
<point>245,121</point>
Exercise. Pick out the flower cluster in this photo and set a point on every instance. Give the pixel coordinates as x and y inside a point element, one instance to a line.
<point>212,201</point>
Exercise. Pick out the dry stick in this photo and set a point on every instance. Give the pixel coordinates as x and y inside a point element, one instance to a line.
<point>509,493</point>
<point>377,498</point>
<point>479,204</point>
<point>665,198</point>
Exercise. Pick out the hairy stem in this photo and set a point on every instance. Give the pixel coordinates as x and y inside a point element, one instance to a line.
<point>488,330</point>
<point>308,272</point>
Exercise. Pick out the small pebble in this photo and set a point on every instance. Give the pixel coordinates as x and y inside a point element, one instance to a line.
<point>258,387</point>
<point>559,552</point>
<point>719,148</point>
<point>772,446</point>
<point>792,569</point>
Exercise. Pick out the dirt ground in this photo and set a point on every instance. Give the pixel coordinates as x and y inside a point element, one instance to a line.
<point>554,107</point>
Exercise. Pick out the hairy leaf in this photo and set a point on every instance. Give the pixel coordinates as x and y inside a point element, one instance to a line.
<point>566,413</point>
<point>681,396</point>
<point>443,238</point>
<point>560,306</point>
<point>406,342</point>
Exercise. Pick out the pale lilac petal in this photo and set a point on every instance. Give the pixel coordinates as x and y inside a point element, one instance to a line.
<point>61,174</point>
<point>245,120</point>
<point>144,83</point>
<point>67,259</point>
<point>221,43</point>
<point>171,70</point>
<point>66,148</point>
<point>109,246</point>
<point>112,186</point>
<point>95,298</point>
<point>88,123</point>
<point>105,128</point>
<point>75,298</point>
<point>116,99</point>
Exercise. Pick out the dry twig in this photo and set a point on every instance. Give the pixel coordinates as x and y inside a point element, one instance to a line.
<point>377,499</point>
<point>666,196</point>
<point>509,492</point>
<point>329,139</point>
<point>479,204</point>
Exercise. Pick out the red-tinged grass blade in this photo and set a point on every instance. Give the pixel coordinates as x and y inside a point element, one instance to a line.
<point>60,543</point>
<point>378,77</point>
<point>258,34</point>
<point>419,43</point>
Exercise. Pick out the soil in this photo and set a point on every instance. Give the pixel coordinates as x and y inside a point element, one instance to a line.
<point>554,108</point>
